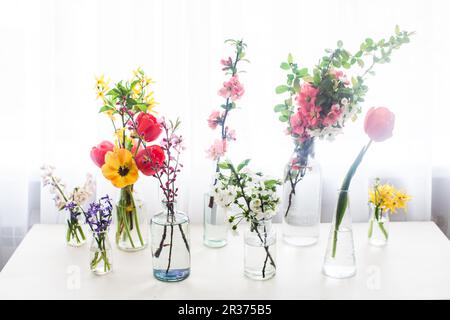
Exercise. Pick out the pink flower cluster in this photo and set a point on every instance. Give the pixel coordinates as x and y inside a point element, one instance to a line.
<point>309,116</point>
<point>232,89</point>
<point>218,149</point>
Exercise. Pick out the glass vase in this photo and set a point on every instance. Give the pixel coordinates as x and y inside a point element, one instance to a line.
<point>301,200</point>
<point>131,221</point>
<point>260,251</point>
<point>170,241</point>
<point>340,259</point>
<point>75,233</point>
<point>100,254</point>
<point>378,233</point>
<point>215,225</point>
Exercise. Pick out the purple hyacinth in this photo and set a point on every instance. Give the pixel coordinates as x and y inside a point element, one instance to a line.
<point>99,215</point>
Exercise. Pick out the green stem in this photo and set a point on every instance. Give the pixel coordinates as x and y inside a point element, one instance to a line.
<point>136,221</point>
<point>370,228</point>
<point>381,225</point>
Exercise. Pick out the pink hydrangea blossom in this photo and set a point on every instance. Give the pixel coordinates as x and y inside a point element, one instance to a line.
<point>214,119</point>
<point>307,95</point>
<point>217,150</point>
<point>232,89</point>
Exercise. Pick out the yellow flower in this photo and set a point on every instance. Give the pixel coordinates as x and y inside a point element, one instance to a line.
<point>120,168</point>
<point>387,197</point>
<point>149,100</point>
<point>101,86</point>
<point>400,200</point>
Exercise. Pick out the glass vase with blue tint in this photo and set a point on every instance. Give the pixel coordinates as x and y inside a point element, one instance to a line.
<point>170,244</point>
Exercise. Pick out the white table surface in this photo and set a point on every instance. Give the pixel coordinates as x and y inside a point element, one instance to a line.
<point>414,265</point>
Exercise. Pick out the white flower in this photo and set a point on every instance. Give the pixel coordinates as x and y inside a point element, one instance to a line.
<point>255,205</point>
<point>224,196</point>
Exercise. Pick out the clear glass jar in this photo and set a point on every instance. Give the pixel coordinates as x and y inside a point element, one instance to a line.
<point>100,254</point>
<point>260,251</point>
<point>170,244</point>
<point>215,224</point>
<point>301,200</point>
<point>75,230</point>
<point>131,221</point>
<point>340,259</point>
<point>378,226</point>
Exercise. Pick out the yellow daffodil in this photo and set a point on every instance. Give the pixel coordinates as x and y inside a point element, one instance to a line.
<point>120,168</point>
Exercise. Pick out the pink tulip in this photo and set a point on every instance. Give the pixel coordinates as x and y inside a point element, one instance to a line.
<point>379,123</point>
<point>98,153</point>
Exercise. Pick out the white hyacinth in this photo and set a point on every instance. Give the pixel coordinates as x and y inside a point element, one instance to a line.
<point>58,189</point>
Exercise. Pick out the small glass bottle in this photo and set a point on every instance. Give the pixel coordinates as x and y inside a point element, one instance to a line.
<point>378,226</point>
<point>215,225</point>
<point>75,231</point>
<point>260,251</point>
<point>301,201</point>
<point>170,240</point>
<point>340,259</point>
<point>100,254</point>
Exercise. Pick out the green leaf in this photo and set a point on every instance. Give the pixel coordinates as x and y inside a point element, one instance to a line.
<point>302,72</point>
<point>281,89</point>
<point>105,108</point>
<point>271,183</point>
<point>285,66</point>
<point>242,164</point>
<point>283,118</point>
<point>290,59</point>
<point>279,107</point>
<point>224,165</point>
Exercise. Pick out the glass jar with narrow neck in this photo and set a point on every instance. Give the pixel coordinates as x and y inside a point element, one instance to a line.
<point>260,250</point>
<point>339,261</point>
<point>75,229</point>
<point>301,200</point>
<point>378,232</point>
<point>100,254</point>
<point>170,241</point>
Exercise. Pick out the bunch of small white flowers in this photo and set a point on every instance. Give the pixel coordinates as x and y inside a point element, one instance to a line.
<point>253,194</point>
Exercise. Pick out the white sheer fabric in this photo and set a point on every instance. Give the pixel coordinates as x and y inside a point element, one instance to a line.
<point>51,50</point>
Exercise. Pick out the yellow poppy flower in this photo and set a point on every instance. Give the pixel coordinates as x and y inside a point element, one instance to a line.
<point>120,168</point>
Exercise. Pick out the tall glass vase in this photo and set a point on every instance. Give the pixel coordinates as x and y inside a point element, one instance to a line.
<point>378,232</point>
<point>131,221</point>
<point>340,259</point>
<point>260,251</point>
<point>75,231</point>
<point>170,244</point>
<point>215,225</point>
<point>301,202</point>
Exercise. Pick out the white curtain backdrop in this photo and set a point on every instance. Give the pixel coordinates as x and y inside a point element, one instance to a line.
<point>51,50</point>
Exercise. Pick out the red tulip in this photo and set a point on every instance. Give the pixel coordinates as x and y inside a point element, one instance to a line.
<point>150,160</point>
<point>98,153</point>
<point>379,123</point>
<point>148,127</point>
